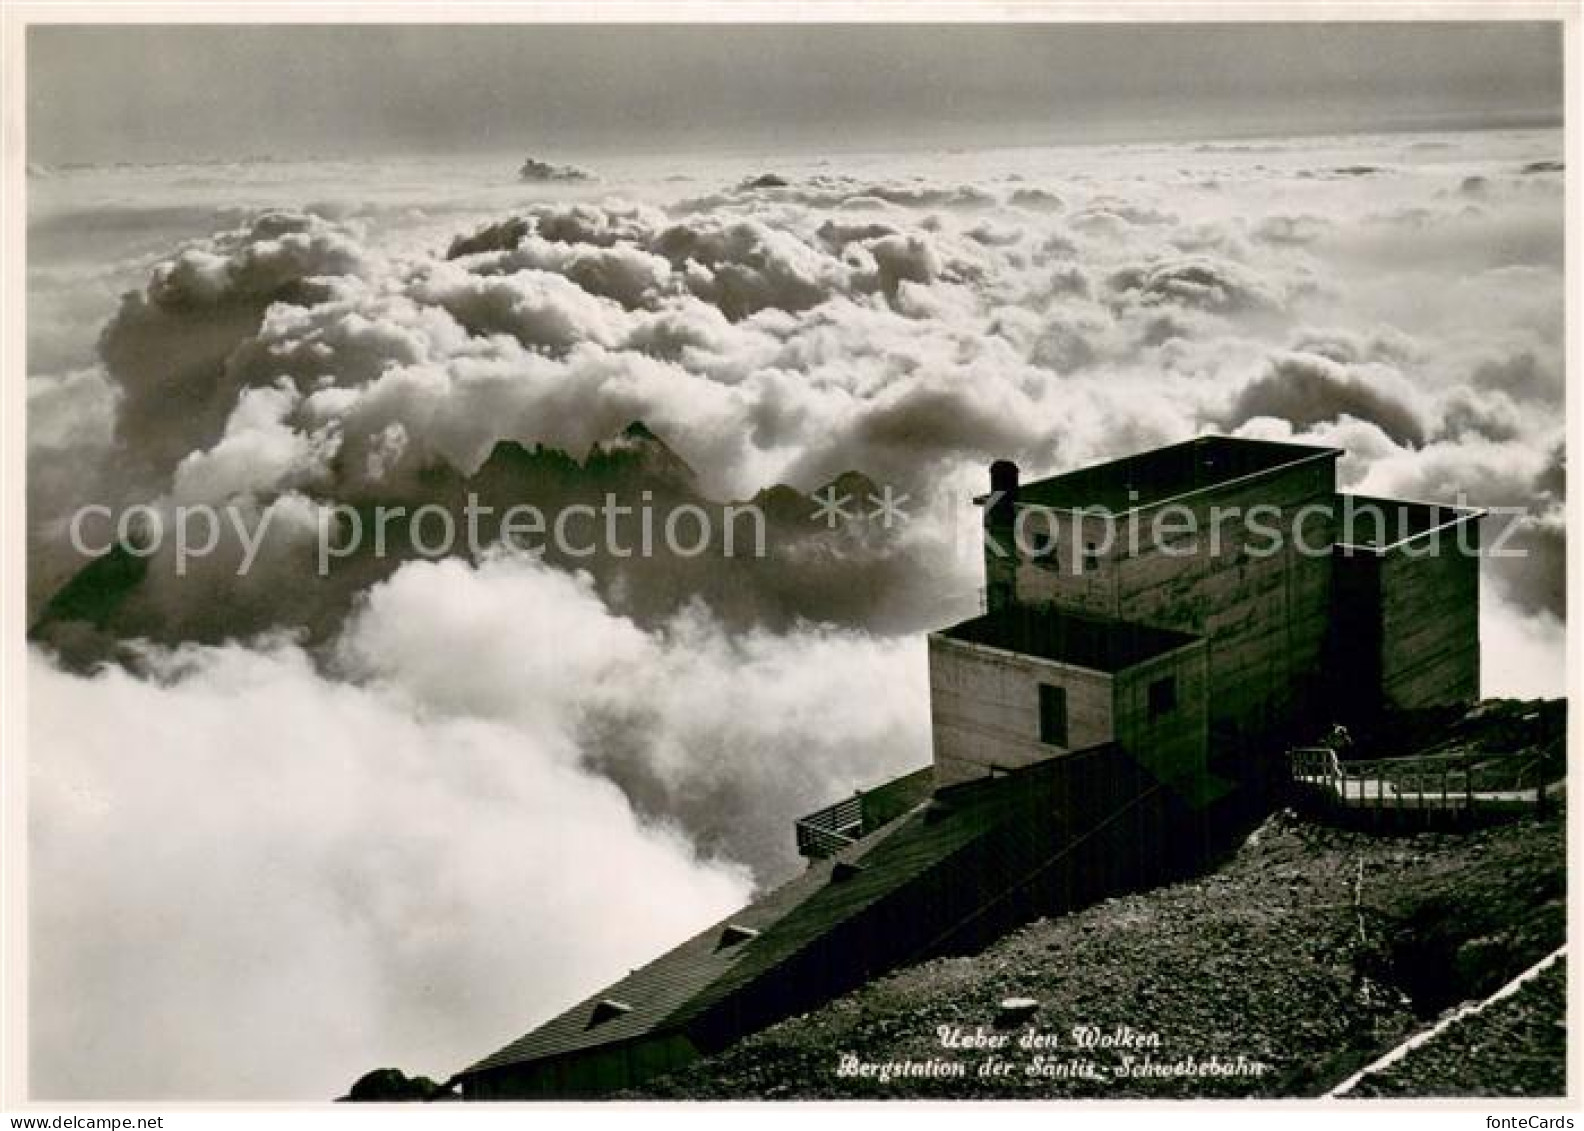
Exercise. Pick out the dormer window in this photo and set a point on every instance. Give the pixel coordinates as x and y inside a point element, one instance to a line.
<point>607,1009</point>
<point>735,934</point>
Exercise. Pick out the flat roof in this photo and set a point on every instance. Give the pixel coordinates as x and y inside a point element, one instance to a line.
<point>1085,642</point>
<point>1162,474</point>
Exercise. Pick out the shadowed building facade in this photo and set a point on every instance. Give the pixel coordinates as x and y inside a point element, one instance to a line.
<point>1312,606</point>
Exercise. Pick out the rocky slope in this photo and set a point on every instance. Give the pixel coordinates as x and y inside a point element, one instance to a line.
<point>1310,952</point>
<point>1515,1047</point>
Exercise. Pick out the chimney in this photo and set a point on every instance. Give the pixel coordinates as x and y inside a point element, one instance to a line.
<point>1000,542</point>
<point>1004,488</point>
<point>1004,477</point>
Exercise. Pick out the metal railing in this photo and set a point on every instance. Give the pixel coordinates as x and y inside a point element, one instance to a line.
<point>827,831</point>
<point>1314,765</point>
<point>1442,782</point>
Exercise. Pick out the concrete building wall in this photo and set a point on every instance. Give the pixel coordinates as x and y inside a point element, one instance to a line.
<point>1406,622</point>
<point>985,708</point>
<point>1240,580</point>
<point>1429,612</point>
<point>1172,744</point>
<point>1053,567</point>
<point>1353,652</point>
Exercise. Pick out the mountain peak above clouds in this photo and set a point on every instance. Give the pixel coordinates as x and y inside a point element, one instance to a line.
<point>541,172</point>
<point>854,484</point>
<point>637,448</point>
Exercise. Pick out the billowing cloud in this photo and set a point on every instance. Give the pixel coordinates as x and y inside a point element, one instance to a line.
<point>794,326</point>
<point>381,849</point>
<point>1298,230</point>
<point>1526,536</point>
<point>255,882</point>
<point>1521,651</point>
<point>1307,389</point>
<point>167,344</point>
<point>689,720</point>
<point>71,429</point>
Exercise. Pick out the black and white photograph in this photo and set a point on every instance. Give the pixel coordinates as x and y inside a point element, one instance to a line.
<point>668,555</point>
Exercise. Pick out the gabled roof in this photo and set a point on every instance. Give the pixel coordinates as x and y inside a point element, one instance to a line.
<point>658,990</point>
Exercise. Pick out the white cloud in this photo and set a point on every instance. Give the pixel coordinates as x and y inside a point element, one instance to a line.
<point>1307,389</point>
<point>727,735</point>
<point>1521,654</point>
<point>252,882</point>
<point>259,879</point>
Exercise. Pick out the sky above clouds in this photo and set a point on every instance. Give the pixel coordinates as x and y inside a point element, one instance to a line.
<point>150,93</point>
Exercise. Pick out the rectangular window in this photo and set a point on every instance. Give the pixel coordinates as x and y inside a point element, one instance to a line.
<point>1053,715</point>
<point>1091,557</point>
<point>1041,543</point>
<point>1163,697</point>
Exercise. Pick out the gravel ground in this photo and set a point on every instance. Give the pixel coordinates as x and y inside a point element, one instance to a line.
<point>1310,952</point>
<point>1516,1047</point>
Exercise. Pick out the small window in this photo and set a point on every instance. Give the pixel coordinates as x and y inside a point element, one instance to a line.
<point>1091,557</point>
<point>1163,697</point>
<point>734,934</point>
<point>1053,715</point>
<point>1039,542</point>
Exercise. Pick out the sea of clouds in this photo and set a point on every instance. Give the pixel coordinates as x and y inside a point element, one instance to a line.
<point>263,862</point>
